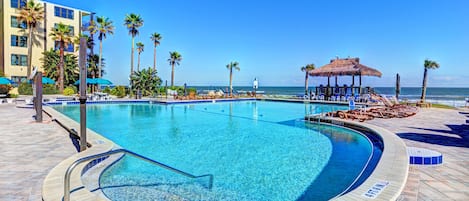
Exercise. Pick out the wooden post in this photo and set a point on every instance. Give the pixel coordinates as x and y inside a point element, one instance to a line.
<point>82,98</point>
<point>360,80</point>
<point>353,85</point>
<point>398,85</point>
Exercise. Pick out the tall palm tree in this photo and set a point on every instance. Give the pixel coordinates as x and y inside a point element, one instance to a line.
<point>92,29</point>
<point>174,58</point>
<point>306,69</point>
<point>32,14</point>
<point>61,34</point>
<point>155,38</point>
<point>140,48</point>
<point>133,22</point>
<point>428,64</point>
<point>232,65</point>
<point>104,27</point>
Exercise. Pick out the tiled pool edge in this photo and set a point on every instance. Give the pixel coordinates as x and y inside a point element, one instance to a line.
<point>393,167</point>
<point>53,185</point>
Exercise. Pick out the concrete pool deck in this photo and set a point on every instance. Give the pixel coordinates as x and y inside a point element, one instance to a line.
<point>22,141</point>
<point>442,130</point>
<point>28,151</point>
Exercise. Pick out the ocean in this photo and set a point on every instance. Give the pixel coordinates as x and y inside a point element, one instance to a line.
<point>448,96</point>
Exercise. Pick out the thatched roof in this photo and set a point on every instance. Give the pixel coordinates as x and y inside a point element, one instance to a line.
<point>347,66</point>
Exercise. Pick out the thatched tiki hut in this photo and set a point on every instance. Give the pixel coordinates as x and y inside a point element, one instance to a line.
<point>345,67</point>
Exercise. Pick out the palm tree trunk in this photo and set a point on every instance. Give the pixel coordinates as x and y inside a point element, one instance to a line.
<point>231,79</point>
<point>154,59</point>
<point>424,86</point>
<point>138,62</point>
<point>172,75</point>
<point>306,83</point>
<point>30,52</point>
<point>61,67</point>
<point>100,56</point>
<point>132,58</point>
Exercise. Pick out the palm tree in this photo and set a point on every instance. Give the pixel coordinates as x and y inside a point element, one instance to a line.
<point>104,27</point>
<point>155,38</point>
<point>32,14</point>
<point>230,67</point>
<point>61,34</point>
<point>306,69</point>
<point>133,22</point>
<point>140,47</point>
<point>147,81</point>
<point>428,64</point>
<point>92,66</point>
<point>50,60</point>
<point>92,29</point>
<point>175,58</point>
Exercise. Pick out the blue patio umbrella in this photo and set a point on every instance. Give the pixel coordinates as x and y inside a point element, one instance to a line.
<point>45,80</point>
<point>88,81</point>
<point>102,81</point>
<point>4,80</point>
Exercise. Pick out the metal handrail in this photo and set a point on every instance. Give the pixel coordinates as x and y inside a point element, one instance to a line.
<point>92,157</point>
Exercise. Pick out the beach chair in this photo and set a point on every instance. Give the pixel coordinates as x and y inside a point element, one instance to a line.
<point>352,115</point>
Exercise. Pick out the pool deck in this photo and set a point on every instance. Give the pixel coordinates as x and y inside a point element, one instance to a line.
<point>23,141</point>
<point>442,130</point>
<point>28,151</point>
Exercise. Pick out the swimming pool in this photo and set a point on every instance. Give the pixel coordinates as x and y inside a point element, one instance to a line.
<point>256,150</point>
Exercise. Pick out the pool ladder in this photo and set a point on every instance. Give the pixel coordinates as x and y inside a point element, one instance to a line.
<point>117,151</point>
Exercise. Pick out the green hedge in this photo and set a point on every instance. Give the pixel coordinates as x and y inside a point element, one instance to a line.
<point>27,89</point>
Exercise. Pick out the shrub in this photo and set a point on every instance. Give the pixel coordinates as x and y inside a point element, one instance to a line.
<point>4,89</point>
<point>69,91</point>
<point>194,90</point>
<point>75,89</point>
<point>13,95</point>
<point>25,89</point>
<point>49,89</point>
<point>107,90</point>
<point>119,91</point>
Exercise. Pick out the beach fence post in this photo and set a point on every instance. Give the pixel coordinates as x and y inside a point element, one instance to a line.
<point>82,98</point>
<point>398,85</point>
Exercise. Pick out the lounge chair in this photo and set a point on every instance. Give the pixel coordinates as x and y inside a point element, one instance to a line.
<point>353,115</point>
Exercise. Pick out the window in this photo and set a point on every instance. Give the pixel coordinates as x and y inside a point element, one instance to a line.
<point>19,60</point>
<point>18,3</point>
<point>69,48</point>
<point>19,41</point>
<point>72,29</point>
<point>16,23</point>
<point>63,12</point>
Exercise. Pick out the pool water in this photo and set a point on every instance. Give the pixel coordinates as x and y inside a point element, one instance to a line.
<point>256,150</point>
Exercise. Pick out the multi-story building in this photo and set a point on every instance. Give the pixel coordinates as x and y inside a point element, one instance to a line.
<point>14,35</point>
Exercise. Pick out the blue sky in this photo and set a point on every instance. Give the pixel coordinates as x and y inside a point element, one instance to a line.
<point>272,39</point>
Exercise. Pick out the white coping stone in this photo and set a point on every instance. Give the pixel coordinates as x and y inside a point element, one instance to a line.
<point>393,167</point>
<point>417,151</point>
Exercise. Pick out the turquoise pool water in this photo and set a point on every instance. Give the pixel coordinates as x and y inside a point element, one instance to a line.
<point>256,150</point>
